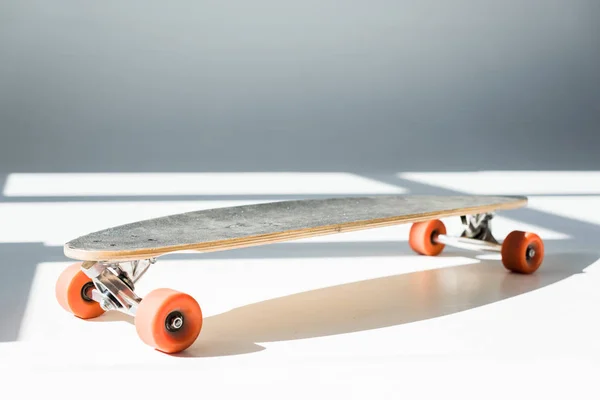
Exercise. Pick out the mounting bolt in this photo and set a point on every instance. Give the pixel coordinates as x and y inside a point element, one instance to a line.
<point>106,305</point>
<point>177,323</point>
<point>174,321</point>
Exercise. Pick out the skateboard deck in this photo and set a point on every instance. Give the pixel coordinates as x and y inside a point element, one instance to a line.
<point>258,224</point>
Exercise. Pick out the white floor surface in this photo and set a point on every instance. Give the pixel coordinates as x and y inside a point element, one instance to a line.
<point>306,320</point>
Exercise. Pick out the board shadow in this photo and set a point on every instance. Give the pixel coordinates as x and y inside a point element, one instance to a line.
<point>374,303</point>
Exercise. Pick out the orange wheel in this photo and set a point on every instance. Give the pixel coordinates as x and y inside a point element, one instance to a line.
<point>422,235</point>
<point>70,291</point>
<point>168,320</point>
<point>522,252</point>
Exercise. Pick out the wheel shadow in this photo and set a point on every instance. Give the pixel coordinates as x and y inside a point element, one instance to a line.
<point>375,303</point>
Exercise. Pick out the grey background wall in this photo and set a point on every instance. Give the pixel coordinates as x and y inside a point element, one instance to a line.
<point>323,85</point>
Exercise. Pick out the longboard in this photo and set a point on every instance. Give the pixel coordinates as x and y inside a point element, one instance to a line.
<point>251,225</point>
<point>113,259</point>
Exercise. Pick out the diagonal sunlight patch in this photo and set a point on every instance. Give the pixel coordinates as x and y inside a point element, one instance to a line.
<point>511,182</point>
<point>581,208</point>
<point>173,184</point>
